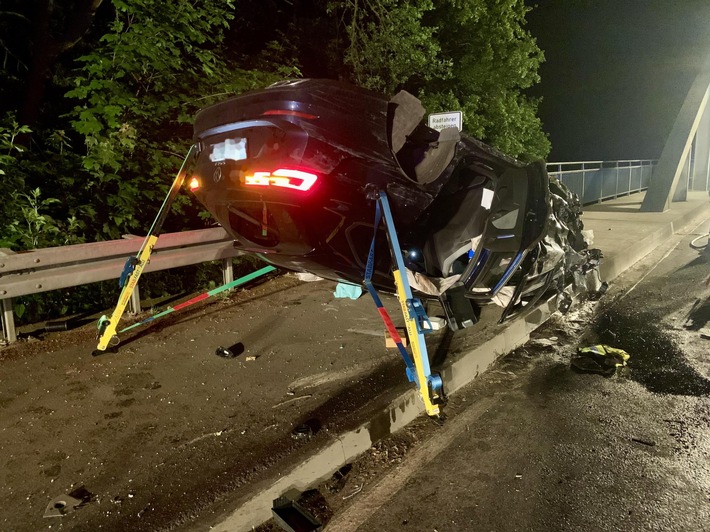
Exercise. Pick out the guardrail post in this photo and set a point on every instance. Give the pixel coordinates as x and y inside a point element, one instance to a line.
<point>583,181</point>
<point>583,191</point>
<point>227,271</point>
<point>631,173</point>
<point>134,305</point>
<point>601,182</point>
<point>8,321</point>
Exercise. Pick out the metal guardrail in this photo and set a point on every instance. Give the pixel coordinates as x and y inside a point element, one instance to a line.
<point>48,269</point>
<point>42,270</point>
<point>596,181</point>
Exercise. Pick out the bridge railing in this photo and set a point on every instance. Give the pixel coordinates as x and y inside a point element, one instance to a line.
<point>596,181</point>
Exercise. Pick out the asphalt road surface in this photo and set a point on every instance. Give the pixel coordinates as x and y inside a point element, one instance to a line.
<point>534,445</point>
<point>166,436</point>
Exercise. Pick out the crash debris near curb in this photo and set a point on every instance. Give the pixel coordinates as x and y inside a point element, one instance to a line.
<point>474,226</point>
<point>66,504</point>
<point>292,517</point>
<point>601,359</point>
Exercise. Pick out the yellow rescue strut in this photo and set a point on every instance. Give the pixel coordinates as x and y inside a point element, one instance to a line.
<point>429,384</point>
<point>135,265</point>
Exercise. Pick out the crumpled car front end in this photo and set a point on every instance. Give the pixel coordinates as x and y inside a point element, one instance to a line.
<point>289,171</point>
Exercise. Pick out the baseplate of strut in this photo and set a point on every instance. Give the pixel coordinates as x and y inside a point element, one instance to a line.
<point>429,385</point>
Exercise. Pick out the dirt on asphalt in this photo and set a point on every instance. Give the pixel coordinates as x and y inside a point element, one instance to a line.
<point>164,431</point>
<point>551,448</point>
<point>164,428</point>
<point>167,435</point>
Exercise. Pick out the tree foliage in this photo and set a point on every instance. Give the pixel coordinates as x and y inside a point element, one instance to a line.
<point>494,60</point>
<point>470,55</point>
<point>97,97</point>
<point>95,108</point>
<point>136,95</point>
<point>387,43</point>
<point>123,120</point>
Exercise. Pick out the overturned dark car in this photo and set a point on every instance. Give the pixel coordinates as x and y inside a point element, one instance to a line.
<point>290,171</point>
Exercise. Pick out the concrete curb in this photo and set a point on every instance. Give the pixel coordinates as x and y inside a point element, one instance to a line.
<point>406,407</point>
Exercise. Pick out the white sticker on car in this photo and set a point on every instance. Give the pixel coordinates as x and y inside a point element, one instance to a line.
<point>487,198</point>
<point>230,149</point>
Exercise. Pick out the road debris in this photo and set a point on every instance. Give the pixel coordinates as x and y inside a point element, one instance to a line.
<point>224,352</point>
<point>357,490</point>
<point>307,277</point>
<point>306,430</point>
<point>232,351</point>
<point>644,441</point>
<point>437,323</point>
<point>601,359</point>
<point>564,302</point>
<point>65,504</point>
<point>390,343</point>
<point>202,437</point>
<point>292,400</point>
<point>545,342</point>
<point>347,290</point>
<point>339,479</point>
<point>596,296</point>
<point>293,517</point>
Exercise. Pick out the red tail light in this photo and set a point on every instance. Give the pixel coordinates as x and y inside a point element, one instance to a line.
<point>283,177</point>
<point>194,183</point>
<point>288,112</point>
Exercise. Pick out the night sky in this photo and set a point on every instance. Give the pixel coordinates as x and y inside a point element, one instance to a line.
<point>616,72</point>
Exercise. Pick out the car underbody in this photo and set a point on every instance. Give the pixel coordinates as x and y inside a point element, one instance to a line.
<point>291,172</point>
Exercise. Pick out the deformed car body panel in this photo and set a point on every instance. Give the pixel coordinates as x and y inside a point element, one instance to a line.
<point>291,171</point>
